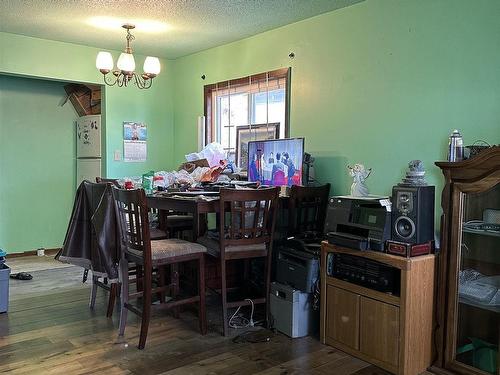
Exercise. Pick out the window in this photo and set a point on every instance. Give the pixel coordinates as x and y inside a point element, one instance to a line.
<point>246,104</point>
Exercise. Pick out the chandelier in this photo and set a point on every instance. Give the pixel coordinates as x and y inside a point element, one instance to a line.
<point>126,66</point>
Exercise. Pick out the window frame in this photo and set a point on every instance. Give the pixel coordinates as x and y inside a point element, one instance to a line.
<point>208,91</point>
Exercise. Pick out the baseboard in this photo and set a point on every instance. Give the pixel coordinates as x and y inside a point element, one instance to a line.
<point>32,252</point>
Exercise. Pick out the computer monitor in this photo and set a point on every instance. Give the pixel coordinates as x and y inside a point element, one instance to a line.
<point>276,162</point>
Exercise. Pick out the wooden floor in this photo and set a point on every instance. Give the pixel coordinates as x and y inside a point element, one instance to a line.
<point>56,333</point>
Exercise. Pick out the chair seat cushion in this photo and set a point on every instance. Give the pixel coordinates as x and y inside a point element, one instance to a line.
<point>173,247</point>
<point>213,247</point>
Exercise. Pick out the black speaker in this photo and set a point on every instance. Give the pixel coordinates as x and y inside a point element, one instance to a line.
<point>413,214</point>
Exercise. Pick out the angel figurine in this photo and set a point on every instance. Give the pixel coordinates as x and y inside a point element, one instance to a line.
<point>359,174</point>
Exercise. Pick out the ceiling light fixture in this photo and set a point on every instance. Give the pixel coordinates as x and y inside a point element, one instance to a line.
<point>126,66</point>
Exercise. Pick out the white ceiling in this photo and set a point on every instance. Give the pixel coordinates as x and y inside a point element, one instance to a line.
<point>166,28</point>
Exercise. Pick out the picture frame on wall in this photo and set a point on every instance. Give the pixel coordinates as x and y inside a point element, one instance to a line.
<point>257,132</point>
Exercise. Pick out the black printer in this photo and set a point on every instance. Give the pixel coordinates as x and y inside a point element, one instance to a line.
<point>358,223</point>
<point>297,263</point>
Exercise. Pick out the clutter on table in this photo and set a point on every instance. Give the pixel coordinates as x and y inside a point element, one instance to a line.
<point>206,166</point>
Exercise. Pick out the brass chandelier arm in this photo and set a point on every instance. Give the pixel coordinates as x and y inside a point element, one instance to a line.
<point>121,80</point>
<point>110,82</point>
<point>142,83</point>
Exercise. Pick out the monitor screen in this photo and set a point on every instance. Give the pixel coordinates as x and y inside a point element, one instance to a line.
<point>276,162</point>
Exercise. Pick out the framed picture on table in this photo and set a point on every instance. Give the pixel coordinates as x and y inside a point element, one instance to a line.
<point>257,132</point>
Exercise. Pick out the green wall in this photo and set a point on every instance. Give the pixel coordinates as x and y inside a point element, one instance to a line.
<point>22,56</point>
<point>37,181</point>
<point>40,58</point>
<point>380,82</point>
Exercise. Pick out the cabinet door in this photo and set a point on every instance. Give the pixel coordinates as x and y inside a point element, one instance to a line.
<point>474,294</point>
<point>379,330</point>
<point>343,316</point>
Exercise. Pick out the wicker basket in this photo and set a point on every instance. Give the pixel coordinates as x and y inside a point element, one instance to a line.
<point>477,147</point>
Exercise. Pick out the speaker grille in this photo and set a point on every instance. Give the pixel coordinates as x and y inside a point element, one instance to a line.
<point>404,227</point>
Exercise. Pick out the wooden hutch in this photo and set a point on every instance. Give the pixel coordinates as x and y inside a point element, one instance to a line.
<point>468,309</point>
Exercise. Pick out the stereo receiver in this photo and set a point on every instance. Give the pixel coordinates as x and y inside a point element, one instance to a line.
<point>364,272</point>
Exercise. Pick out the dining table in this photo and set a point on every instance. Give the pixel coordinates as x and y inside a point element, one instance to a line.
<point>199,204</point>
<point>196,203</point>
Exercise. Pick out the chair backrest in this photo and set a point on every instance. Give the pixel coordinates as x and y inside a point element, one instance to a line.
<point>307,208</point>
<point>132,213</point>
<point>247,216</point>
<point>112,181</point>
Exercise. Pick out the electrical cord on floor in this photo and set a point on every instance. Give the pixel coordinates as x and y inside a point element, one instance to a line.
<point>239,321</point>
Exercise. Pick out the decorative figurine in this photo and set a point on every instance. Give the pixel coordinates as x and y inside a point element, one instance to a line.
<point>359,174</point>
<point>415,176</point>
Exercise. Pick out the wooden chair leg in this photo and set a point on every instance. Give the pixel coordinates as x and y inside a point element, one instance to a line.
<point>161,282</point>
<point>124,295</point>
<point>146,306</point>
<point>267,287</point>
<point>174,290</point>
<point>93,291</point>
<point>113,291</point>
<point>139,277</point>
<point>225,327</point>
<point>202,310</point>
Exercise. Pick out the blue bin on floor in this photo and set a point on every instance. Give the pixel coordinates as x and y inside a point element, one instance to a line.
<point>4,287</point>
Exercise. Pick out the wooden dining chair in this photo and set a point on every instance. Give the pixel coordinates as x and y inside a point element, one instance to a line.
<point>307,209</point>
<point>156,233</point>
<point>114,288</point>
<point>174,223</point>
<point>138,248</point>
<point>246,227</point>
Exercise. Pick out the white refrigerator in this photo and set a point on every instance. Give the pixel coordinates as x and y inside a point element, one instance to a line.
<point>88,148</point>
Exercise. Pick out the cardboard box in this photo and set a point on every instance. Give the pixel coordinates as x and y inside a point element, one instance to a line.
<point>85,100</point>
<point>190,166</point>
<point>95,95</point>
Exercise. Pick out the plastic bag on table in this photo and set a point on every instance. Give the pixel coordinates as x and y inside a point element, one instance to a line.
<point>198,173</point>
<point>213,152</point>
<point>182,177</point>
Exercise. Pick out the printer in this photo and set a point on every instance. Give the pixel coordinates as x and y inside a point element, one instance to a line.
<point>293,295</point>
<point>297,263</point>
<point>362,223</point>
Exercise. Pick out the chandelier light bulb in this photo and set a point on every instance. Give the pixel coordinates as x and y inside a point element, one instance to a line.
<point>104,62</point>
<point>152,66</point>
<point>126,62</point>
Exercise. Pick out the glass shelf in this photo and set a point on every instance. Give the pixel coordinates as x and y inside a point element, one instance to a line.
<point>481,232</point>
<point>492,308</point>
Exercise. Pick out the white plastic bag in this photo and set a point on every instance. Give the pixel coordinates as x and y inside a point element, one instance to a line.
<point>198,173</point>
<point>213,152</point>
